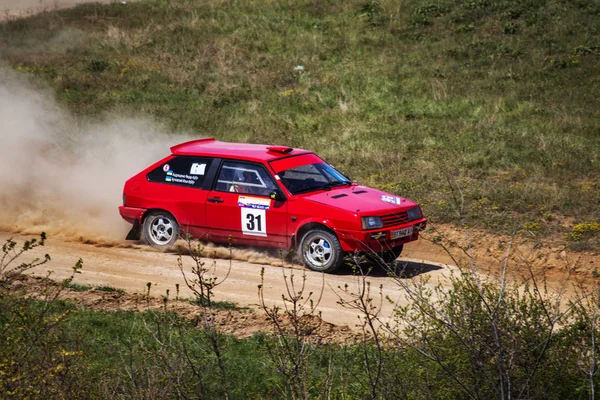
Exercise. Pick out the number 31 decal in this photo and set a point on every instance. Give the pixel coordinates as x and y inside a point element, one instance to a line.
<point>254,222</point>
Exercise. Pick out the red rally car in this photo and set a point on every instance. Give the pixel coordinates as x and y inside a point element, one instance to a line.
<point>271,196</point>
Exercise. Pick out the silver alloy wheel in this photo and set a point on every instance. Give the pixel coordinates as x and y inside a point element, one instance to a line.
<point>162,230</point>
<point>318,252</point>
<point>321,250</point>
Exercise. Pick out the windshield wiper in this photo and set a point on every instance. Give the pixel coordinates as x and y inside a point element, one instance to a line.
<point>308,189</point>
<point>326,186</point>
<point>333,184</point>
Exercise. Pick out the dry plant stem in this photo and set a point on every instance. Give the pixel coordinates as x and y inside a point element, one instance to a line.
<point>422,303</point>
<point>554,317</point>
<point>502,384</point>
<point>202,284</point>
<point>164,338</point>
<point>10,253</point>
<point>592,371</point>
<point>39,323</point>
<point>291,352</point>
<point>459,203</point>
<point>362,301</point>
<point>504,378</point>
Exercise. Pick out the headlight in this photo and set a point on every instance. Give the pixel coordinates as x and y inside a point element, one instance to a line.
<point>371,222</point>
<point>414,213</point>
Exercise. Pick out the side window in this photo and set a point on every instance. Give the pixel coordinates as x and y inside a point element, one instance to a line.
<point>244,178</point>
<point>183,171</point>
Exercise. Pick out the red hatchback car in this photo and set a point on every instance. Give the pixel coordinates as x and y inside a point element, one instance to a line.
<point>271,196</point>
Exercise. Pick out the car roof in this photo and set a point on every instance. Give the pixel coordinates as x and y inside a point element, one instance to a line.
<point>245,151</point>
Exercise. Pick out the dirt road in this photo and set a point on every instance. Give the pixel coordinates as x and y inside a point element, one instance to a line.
<point>131,268</point>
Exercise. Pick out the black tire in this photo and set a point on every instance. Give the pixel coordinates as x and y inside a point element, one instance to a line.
<point>160,229</point>
<point>321,251</point>
<point>387,256</point>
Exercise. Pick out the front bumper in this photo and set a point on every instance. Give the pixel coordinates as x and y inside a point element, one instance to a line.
<point>379,239</point>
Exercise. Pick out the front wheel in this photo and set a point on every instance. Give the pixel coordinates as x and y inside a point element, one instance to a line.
<point>321,251</point>
<point>160,229</point>
<point>389,255</point>
<point>385,256</point>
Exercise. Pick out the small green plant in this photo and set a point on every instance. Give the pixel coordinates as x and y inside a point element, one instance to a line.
<point>219,305</point>
<point>465,28</point>
<point>109,289</point>
<point>11,252</point>
<point>35,359</point>
<point>533,227</point>
<point>510,28</point>
<point>583,231</point>
<point>79,287</point>
<point>98,65</point>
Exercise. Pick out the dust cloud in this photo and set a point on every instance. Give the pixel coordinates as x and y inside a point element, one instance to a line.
<point>63,175</point>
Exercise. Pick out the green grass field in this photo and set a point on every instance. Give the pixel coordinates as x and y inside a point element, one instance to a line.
<point>64,351</point>
<point>499,98</point>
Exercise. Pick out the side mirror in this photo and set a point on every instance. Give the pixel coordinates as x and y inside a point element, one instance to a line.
<point>277,195</point>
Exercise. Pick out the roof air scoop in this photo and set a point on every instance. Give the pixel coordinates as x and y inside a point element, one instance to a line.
<point>280,149</point>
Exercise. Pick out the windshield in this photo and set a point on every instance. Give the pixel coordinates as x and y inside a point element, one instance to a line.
<point>310,177</point>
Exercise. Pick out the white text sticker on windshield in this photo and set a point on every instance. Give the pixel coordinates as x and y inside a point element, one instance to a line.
<point>197,169</point>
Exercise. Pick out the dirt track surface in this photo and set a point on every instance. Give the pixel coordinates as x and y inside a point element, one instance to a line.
<point>131,268</point>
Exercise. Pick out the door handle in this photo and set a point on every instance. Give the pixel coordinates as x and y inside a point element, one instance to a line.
<point>215,199</point>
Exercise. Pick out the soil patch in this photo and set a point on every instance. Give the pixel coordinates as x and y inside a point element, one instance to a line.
<point>241,322</point>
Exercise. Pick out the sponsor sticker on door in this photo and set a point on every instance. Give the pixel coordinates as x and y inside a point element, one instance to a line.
<point>254,202</point>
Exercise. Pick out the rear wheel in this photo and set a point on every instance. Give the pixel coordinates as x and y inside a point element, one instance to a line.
<point>321,251</point>
<point>160,229</point>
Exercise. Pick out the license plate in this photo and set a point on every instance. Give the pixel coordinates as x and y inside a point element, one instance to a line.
<point>398,233</point>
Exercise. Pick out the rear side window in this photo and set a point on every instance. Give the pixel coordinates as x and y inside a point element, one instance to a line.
<point>182,171</point>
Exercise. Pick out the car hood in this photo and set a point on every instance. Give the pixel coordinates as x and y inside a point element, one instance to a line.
<point>361,200</point>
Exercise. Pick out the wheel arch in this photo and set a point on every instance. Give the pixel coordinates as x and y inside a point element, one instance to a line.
<point>149,211</point>
<point>307,227</point>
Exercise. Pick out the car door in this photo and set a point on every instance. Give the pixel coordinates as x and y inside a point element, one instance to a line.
<point>239,207</point>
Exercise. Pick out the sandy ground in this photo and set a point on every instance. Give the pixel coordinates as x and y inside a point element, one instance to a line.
<point>132,268</point>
